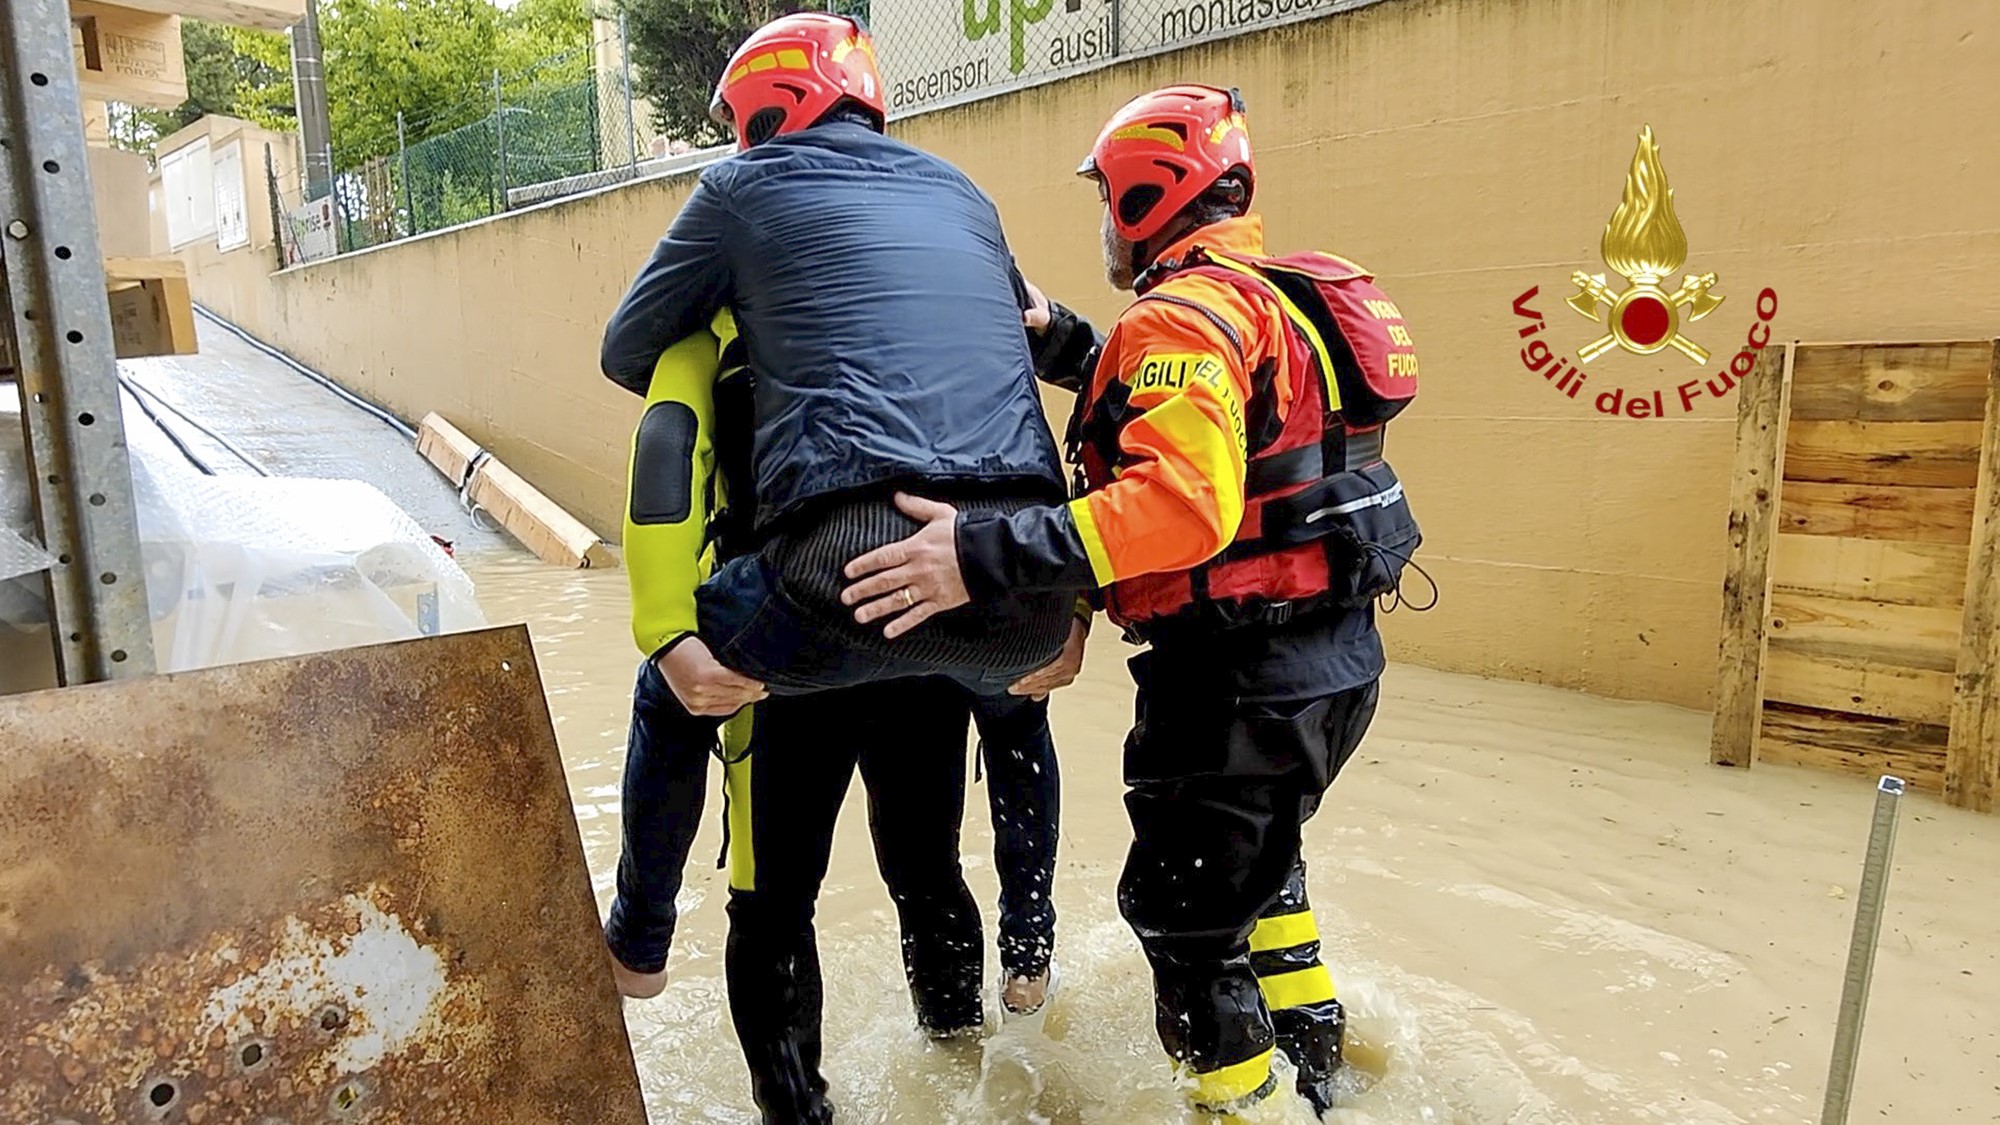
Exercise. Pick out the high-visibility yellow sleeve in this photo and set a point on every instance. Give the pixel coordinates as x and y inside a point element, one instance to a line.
<point>671,487</point>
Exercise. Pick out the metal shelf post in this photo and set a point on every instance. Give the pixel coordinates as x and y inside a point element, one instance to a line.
<point>55,303</point>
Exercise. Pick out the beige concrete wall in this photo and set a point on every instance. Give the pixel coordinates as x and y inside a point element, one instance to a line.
<point>1839,151</point>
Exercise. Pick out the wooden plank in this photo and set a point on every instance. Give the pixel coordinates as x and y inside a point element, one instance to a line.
<point>1918,515</point>
<point>539,523</point>
<point>446,447</point>
<point>1941,382</point>
<point>1933,454</point>
<point>128,56</point>
<point>1877,570</point>
<point>270,15</point>
<point>1854,744</point>
<point>1972,768</point>
<point>1924,637</point>
<point>1763,406</point>
<point>121,270</point>
<point>1859,687</point>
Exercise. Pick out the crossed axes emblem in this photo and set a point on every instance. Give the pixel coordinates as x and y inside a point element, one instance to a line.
<point>1693,295</point>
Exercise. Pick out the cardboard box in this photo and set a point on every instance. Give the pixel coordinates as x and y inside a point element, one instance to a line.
<point>151,310</point>
<point>124,55</point>
<point>120,183</point>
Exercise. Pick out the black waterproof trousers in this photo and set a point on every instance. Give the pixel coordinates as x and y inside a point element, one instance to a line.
<point>906,739</point>
<point>1214,886</point>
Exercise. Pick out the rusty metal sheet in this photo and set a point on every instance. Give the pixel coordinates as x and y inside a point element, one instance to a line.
<point>338,888</point>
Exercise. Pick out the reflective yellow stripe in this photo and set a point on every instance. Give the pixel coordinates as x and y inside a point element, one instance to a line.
<point>1216,456</point>
<point>1220,1089</point>
<point>1283,932</point>
<point>736,787</point>
<point>1093,543</point>
<point>1296,990</point>
<point>1298,318</point>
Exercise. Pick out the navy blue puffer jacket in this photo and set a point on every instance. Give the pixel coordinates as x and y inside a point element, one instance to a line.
<point>879,303</point>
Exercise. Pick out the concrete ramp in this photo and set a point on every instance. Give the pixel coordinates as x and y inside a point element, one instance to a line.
<point>342,887</point>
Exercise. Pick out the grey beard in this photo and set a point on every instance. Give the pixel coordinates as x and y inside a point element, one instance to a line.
<point>1117,257</point>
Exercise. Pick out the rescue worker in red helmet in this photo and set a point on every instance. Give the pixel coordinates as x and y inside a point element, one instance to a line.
<point>881,314</point>
<point>879,345</point>
<point>1237,514</point>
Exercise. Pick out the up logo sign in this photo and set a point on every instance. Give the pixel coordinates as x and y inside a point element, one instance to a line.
<point>1645,245</point>
<point>983,18</point>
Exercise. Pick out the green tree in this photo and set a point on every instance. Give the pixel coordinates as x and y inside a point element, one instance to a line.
<point>679,48</point>
<point>433,61</point>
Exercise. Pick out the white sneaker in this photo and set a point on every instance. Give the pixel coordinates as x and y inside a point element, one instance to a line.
<point>1010,1014</point>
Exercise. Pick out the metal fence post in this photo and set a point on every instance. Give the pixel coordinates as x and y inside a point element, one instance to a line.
<point>625,64</point>
<point>1861,952</point>
<point>500,138</point>
<point>1117,28</point>
<point>53,271</point>
<point>277,206</point>
<point>403,170</point>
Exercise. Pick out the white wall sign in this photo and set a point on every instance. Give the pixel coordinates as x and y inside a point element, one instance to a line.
<point>309,232</point>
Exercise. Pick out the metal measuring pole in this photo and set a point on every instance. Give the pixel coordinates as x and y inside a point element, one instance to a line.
<point>1861,952</point>
<point>53,283</point>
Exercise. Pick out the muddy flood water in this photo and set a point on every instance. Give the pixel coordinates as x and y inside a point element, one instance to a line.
<point>1542,907</point>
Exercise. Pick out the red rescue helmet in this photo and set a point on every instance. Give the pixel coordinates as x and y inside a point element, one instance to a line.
<point>1163,150</point>
<point>791,71</point>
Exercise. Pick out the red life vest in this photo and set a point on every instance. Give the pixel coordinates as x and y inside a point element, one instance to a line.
<point>1324,519</point>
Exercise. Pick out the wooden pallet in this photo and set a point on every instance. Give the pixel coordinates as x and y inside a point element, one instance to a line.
<point>270,15</point>
<point>1859,611</point>
<point>151,311</point>
<point>127,55</point>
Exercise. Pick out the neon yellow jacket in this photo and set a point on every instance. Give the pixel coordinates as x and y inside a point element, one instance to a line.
<point>672,488</point>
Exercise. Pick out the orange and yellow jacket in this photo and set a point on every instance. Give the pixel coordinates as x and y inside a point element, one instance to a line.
<point>1182,368</point>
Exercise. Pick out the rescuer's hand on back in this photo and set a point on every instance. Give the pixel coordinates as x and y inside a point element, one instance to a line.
<point>1058,673</point>
<point>702,684</point>
<point>1036,316</point>
<point>911,580</point>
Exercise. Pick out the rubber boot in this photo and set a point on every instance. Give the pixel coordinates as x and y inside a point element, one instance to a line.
<point>1311,1037</point>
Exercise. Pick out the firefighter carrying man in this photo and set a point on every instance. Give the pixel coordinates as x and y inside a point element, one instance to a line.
<point>790,333</point>
<point>1237,514</point>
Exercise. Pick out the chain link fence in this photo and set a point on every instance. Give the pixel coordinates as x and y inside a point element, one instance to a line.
<point>542,140</point>
<point>533,133</point>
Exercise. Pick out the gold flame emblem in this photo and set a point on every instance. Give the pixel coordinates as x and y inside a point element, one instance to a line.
<point>1645,243</point>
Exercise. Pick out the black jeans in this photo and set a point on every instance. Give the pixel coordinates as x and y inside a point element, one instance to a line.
<point>666,770</point>
<point>1024,796</point>
<point>784,800</point>
<point>1218,793</point>
<point>665,787</point>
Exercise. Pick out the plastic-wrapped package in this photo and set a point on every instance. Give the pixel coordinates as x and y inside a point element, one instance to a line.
<point>250,568</point>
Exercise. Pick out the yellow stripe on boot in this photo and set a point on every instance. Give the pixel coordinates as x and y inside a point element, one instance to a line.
<point>1297,989</point>
<point>1234,1087</point>
<point>1283,932</point>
